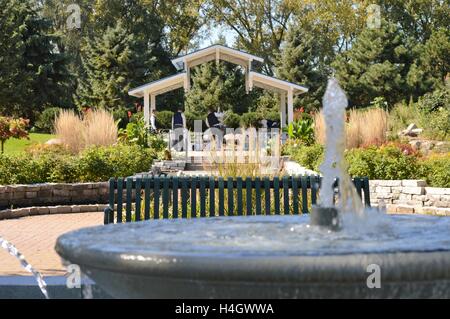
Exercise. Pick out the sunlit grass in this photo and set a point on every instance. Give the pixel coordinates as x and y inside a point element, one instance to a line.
<point>16,146</point>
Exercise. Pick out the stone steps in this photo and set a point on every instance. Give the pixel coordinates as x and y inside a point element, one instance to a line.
<point>200,167</point>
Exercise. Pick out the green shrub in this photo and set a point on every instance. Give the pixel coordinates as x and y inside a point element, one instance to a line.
<point>431,112</point>
<point>310,156</point>
<point>272,115</point>
<point>436,124</point>
<point>156,143</point>
<point>164,119</point>
<point>135,133</point>
<point>433,101</point>
<point>385,162</point>
<point>120,115</point>
<point>436,170</point>
<point>251,119</point>
<point>46,120</point>
<point>434,114</point>
<point>232,120</point>
<point>11,168</point>
<point>302,129</point>
<point>136,117</point>
<point>307,156</point>
<point>23,169</point>
<point>99,164</point>
<point>401,116</point>
<point>92,165</point>
<point>65,170</point>
<point>379,102</point>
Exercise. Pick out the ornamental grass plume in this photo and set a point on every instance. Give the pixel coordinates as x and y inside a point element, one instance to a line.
<point>364,127</point>
<point>95,128</point>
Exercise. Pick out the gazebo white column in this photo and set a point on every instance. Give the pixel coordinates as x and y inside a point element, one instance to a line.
<point>152,102</point>
<point>282,109</point>
<point>150,91</point>
<point>290,105</point>
<point>187,80</point>
<point>247,70</point>
<point>146,108</point>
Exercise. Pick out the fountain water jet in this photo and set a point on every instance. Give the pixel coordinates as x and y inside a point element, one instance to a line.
<point>273,256</point>
<point>334,165</point>
<point>12,250</point>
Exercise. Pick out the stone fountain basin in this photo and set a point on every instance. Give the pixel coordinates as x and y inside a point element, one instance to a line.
<point>262,257</point>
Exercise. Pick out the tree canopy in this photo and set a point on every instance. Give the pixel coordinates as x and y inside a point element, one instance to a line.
<point>218,85</point>
<point>33,71</point>
<point>122,44</point>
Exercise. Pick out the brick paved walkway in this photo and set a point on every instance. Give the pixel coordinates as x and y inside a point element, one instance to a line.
<point>35,238</point>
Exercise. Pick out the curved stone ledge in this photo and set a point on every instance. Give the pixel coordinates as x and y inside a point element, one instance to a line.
<point>46,210</point>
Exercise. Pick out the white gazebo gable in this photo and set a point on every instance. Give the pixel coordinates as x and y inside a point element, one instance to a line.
<point>285,89</point>
<point>216,52</point>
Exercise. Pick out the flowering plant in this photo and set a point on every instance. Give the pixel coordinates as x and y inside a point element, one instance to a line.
<point>12,128</point>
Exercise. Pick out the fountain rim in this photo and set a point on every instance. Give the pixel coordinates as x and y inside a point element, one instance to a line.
<point>395,266</point>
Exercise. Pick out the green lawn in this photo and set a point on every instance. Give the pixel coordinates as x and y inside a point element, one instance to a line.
<point>14,146</point>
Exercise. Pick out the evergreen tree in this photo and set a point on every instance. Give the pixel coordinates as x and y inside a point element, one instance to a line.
<point>33,72</point>
<point>113,66</point>
<point>124,50</point>
<point>376,65</point>
<point>432,63</point>
<point>215,86</point>
<point>302,61</point>
<point>141,19</point>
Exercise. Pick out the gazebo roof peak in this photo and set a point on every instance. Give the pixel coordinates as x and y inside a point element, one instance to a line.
<point>215,52</point>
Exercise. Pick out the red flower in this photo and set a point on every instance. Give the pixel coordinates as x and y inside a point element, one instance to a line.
<point>302,109</point>
<point>129,114</point>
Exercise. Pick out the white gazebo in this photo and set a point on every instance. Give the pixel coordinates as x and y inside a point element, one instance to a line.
<point>285,89</point>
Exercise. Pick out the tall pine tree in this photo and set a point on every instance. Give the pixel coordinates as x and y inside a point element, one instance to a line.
<point>432,63</point>
<point>33,72</point>
<point>376,65</point>
<point>113,66</point>
<point>221,85</point>
<point>125,49</point>
<point>301,61</point>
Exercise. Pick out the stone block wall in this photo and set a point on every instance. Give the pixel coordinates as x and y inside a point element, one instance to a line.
<point>50,194</point>
<point>409,197</point>
<point>46,210</point>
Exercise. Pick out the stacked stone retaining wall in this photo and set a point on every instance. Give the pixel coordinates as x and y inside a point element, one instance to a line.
<point>410,196</point>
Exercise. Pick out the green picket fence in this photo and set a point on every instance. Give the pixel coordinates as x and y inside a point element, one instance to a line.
<point>186,197</point>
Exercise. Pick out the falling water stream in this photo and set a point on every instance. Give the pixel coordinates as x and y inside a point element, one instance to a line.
<point>12,250</point>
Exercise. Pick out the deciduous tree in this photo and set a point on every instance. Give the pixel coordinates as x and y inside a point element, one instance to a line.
<point>260,25</point>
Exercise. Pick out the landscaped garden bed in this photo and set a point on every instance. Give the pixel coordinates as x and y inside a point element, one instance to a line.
<point>55,165</point>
